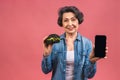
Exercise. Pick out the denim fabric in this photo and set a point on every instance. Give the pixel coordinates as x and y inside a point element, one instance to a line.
<point>56,61</point>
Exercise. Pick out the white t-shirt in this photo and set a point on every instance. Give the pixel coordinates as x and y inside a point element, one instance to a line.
<point>70,65</point>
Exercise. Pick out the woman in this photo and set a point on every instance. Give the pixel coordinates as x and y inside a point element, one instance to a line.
<point>73,57</point>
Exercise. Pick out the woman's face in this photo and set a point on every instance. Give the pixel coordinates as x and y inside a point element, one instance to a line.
<point>70,23</point>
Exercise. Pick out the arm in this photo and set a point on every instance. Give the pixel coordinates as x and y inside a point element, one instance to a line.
<point>47,59</point>
<point>46,64</point>
<point>90,60</point>
<point>89,67</point>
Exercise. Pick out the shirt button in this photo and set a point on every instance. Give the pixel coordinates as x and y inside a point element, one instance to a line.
<point>64,70</point>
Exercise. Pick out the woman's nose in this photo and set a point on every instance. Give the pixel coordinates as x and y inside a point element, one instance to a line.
<point>70,22</point>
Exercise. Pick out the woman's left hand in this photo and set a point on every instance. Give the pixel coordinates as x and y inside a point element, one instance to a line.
<point>93,59</point>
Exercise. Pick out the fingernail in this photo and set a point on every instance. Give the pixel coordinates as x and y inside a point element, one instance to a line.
<point>105,57</point>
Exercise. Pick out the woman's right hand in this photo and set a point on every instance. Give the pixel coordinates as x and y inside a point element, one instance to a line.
<point>47,50</point>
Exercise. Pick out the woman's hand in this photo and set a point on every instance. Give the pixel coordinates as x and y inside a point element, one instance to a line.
<point>47,49</point>
<point>93,59</point>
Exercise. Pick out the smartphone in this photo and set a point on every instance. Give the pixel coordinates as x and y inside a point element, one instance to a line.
<point>100,46</point>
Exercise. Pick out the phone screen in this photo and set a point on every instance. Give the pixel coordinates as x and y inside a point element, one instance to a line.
<point>100,46</point>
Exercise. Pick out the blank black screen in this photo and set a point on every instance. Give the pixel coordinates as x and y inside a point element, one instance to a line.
<point>100,46</point>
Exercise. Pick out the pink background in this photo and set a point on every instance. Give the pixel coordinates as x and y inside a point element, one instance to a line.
<point>24,23</point>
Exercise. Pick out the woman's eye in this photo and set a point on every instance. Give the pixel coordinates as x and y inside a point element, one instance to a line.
<point>65,20</point>
<point>73,19</point>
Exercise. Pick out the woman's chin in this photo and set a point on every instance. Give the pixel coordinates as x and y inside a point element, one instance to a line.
<point>71,32</point>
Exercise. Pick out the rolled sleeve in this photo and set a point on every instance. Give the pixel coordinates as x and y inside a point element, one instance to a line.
<point>46,64</point>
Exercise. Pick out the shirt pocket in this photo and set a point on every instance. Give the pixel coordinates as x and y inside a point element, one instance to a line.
<point>58,56</point>
<point>81,60</point>
<point>59,61</point>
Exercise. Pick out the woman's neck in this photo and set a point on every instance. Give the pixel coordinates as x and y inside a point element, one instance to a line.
<point>71,36</point>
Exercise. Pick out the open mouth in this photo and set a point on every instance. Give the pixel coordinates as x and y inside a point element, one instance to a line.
<point>70,28</point>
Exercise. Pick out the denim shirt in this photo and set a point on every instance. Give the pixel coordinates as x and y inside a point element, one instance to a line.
<point>56,61</point>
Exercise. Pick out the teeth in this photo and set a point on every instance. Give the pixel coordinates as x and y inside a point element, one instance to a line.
<point>71,28</point>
